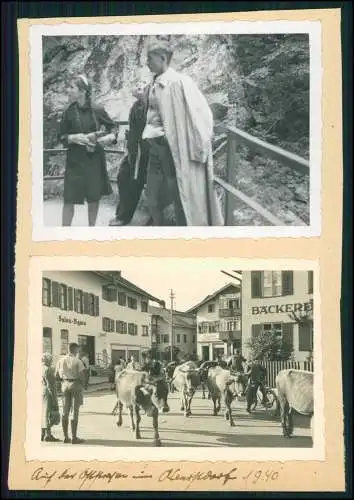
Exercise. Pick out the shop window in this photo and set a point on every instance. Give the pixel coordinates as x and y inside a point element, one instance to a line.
<point>122,299</point>
<point>64,342</point>
<point>47,340</point>
<point>46,292</point>
<point>144,306</point>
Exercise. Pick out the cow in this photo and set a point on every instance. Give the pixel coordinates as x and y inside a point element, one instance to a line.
<point>223,386</point>
<point>186,379</point>
<point>170,368</point>
<point>136,390</point>
<point>295,393</point>
<point>203,371</point>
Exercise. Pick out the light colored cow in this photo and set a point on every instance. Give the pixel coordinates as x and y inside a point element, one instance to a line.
<point>223,386</point>
<point>136,390</point>
<point>295,392</point>
<point>186,379</point>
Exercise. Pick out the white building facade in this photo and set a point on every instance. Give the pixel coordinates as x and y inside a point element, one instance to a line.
<point>105,314</point>
<point>219,323</point>
<point>270,299</point>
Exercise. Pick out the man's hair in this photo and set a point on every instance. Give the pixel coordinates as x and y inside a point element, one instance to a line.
<point>162,48</point>
<point>73,346</point>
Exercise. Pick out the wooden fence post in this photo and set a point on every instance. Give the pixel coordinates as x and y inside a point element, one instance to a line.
<point>231,166</point>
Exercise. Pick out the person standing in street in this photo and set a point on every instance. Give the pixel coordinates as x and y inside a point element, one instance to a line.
<point>50,408</point>
<point>178,131</point>
<point>86,362</point>
<point>71,372</point>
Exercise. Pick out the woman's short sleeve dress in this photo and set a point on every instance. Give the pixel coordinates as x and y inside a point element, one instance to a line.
<point>86,176</point>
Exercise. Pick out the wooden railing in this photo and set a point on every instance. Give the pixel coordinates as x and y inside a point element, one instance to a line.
<point>274,367</point>
<point>233,137</point>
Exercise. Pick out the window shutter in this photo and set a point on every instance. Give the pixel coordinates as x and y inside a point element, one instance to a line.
<point>256,284</point>
<point>287,282</point>
<point>310,282</point>
<point>55,294</point>
<point>288,333</point>
<point>46,292</point>
<point>256,330</point>
<point>97,306</point>
<point>70,299</point>
<point>86,303</point>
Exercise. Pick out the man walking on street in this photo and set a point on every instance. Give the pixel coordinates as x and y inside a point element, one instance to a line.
<point>256,373</point>
<point>71,372</point>
<point>178,131</point>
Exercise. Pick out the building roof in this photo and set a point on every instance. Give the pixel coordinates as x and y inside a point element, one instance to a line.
<point>213,296</point>
<point>179,318</point>
<point>115,277</point>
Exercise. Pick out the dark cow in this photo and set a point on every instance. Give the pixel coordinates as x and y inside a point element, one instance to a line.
<point>295,392</point>
<point>203,371</point>
<point>223,386</point>
<point>186,379</point>
<point>136,390</point>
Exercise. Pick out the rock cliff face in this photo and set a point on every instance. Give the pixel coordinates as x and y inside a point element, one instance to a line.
<point>113,64</point>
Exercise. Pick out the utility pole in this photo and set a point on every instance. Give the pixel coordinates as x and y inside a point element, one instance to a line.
<point>172,296</point>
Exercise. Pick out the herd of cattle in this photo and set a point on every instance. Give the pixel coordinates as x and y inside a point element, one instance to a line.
<point>138,390</point>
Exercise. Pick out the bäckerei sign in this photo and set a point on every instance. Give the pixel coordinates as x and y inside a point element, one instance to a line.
<point>283,308</point>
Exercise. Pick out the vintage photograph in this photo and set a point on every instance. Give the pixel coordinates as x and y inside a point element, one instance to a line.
<point>152,355</point>
<point>178,130</point>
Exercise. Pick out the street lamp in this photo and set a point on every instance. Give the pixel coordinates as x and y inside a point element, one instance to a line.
<point>172,296</point>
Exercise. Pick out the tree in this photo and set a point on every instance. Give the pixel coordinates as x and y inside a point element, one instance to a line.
<point>268,346</point>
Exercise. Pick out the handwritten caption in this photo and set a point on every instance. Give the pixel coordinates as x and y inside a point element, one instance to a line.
<point>87,477</point>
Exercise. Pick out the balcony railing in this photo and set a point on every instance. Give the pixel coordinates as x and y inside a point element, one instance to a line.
<point>229,313</point>
<point>230,335</point>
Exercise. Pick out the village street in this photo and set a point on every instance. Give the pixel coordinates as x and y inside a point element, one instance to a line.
<point>98,427</point>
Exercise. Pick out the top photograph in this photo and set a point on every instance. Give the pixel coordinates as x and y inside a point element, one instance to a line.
<point>194,134</point>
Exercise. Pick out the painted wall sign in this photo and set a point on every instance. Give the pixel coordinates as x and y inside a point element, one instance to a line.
<point>74,321</point>
<point>283,308</point>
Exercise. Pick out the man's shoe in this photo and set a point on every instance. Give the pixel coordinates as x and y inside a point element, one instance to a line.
<point>77,440</point>
<point>67,440</point>
<point>117,222</point>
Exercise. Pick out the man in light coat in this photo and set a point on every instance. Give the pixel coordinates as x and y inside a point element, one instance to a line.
<point>178,130</point>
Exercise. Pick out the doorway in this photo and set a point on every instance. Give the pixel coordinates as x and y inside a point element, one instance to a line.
<point>116,355</point>
<point>87,343</point>
<point>205,353</point>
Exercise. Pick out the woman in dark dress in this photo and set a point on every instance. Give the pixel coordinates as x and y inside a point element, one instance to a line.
<point>85,128</point>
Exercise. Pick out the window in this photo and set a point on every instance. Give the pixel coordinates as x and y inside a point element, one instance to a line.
<point>284,331</point>
<point>70,299</point>
<point>166,339</point>
<point>271,283</point>
<point>185,339</point>
<point>158,339</point>
<point>310,282</point>
<point>64,341</point>
<point>78,301</point>
<point>178,338</point>
<point>47,340</point>
<point>144,306</point>
<point>145,330</point>
<point>154,319</point>
<point>233,325</point>
<point>211,308</point>
<point>132,329</point>
<point>97,306</point>
<point>91,304</point>
<point>121,327</point>
<point>63,297</point>
<point>46,292</point>
<point>306,336</point>
<point>132,303</point>
<point>109,293</point>
<point>108,324</point>
<point>193,339</point>
<point>55,294</point>
<point>122,299</point>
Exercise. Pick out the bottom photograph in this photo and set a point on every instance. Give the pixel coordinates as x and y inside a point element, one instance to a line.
<point>177,356</point>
